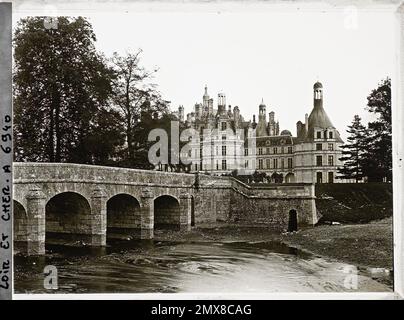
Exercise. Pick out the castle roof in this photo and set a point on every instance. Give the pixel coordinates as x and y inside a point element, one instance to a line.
<point>274,141</point>
<point>319,119</point>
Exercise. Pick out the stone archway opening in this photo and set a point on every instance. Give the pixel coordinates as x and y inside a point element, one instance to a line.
<point>123,217</point>
<point>166,213</point>
<point>292,223</point>
<point>68,219</point>
<point>290,178</point>
<point>20,225</point>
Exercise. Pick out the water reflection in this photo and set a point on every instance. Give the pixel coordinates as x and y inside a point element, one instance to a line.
<point>153,266</point>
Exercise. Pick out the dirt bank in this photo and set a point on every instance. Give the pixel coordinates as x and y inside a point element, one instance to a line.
<point>365,245</point>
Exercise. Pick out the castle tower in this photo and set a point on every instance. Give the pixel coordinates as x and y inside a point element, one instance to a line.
<point>318,124</point>
<point>236,116</point>
<point>205,98</point>
<point>262,111</point>
<point>271,124</point>
<point>181,113</point>
<point>198,111</point>
<point>210,106</point>
<point>262,120</point>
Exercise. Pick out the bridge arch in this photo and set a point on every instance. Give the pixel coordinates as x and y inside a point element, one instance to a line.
<point>20,222</point>
<point>123,216</point>
<point>166,212</point>
<point>68,217</point>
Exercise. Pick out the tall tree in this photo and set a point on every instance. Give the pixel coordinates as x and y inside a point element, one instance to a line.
<point>137,100</point>
<point>377,164</point>
<point>61,90</point>
<point>353,151</point>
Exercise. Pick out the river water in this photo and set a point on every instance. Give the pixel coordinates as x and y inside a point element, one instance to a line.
<point>148,266</point>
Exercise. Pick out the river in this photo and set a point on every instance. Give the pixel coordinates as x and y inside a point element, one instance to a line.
<point>145,266</point>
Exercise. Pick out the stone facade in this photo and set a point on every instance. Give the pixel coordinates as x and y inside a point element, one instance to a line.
<point>92,203</point>
<point>227,142</point>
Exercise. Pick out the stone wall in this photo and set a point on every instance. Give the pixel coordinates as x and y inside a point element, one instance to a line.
<point>271,204</point>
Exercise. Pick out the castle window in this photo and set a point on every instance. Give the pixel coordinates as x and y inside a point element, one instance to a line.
<point>319,177</point>
<point>259,151</point>
<point>224,126</point>
<point>275,163</point>
<point>190,153</point>
<point>331,177</point>
<point>290,149</point>
<point>223,150</point>
<point>196,167</point>
<point>267,151</point>
<point>260,164</point>
<point>223,137</point>
<point>275,150</point>
<point>330,160</point>
<point>319,161</point>
<point>282,163</point>
<point>246,164</point>
<point>318,134</point>
<point>246,152</point>
<point>330,146</point>
<point>268,163</point>
<point>290,163</point>
<point>319,146</point>
<point>224,165</point>
<point>330,135</point>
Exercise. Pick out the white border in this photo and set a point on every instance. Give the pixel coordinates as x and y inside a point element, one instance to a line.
<point>398,146</point>
<point>40,7</point>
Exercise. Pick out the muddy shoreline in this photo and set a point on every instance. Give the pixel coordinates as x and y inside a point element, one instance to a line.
<point>368,246</point>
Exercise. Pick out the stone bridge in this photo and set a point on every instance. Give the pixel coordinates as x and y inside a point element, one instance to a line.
<point>92,203</point>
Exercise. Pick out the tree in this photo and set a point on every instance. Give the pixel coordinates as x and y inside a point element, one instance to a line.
<point>353,151</point>
<point>62,86</point>
<point>377,163</point>
<point>139,102</point>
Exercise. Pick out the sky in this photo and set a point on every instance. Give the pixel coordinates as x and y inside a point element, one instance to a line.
<point>253,52</point>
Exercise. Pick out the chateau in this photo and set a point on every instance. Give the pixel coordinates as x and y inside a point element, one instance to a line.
<point>228,142</point>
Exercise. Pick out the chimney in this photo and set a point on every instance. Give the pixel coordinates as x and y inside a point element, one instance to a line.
<point>306,123</point>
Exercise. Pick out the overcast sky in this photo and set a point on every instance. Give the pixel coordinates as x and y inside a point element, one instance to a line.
<point>254,52</point>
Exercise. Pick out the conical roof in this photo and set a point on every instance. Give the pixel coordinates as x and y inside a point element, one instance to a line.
<point>318,118</point>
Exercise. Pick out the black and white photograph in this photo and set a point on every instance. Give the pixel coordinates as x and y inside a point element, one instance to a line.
<point>211,148</point>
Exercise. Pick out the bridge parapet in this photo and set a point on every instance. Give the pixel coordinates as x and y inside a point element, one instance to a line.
<point>29,172</point>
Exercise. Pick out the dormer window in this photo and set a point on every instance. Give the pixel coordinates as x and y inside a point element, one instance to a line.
<point>224,126</point>
<point>331,135</point>
<point>318,134</point>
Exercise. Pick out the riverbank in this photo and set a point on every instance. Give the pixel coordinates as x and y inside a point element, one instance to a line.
<point>367,246</point>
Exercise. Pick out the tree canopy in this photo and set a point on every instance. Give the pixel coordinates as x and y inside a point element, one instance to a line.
<point>62,87</point>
